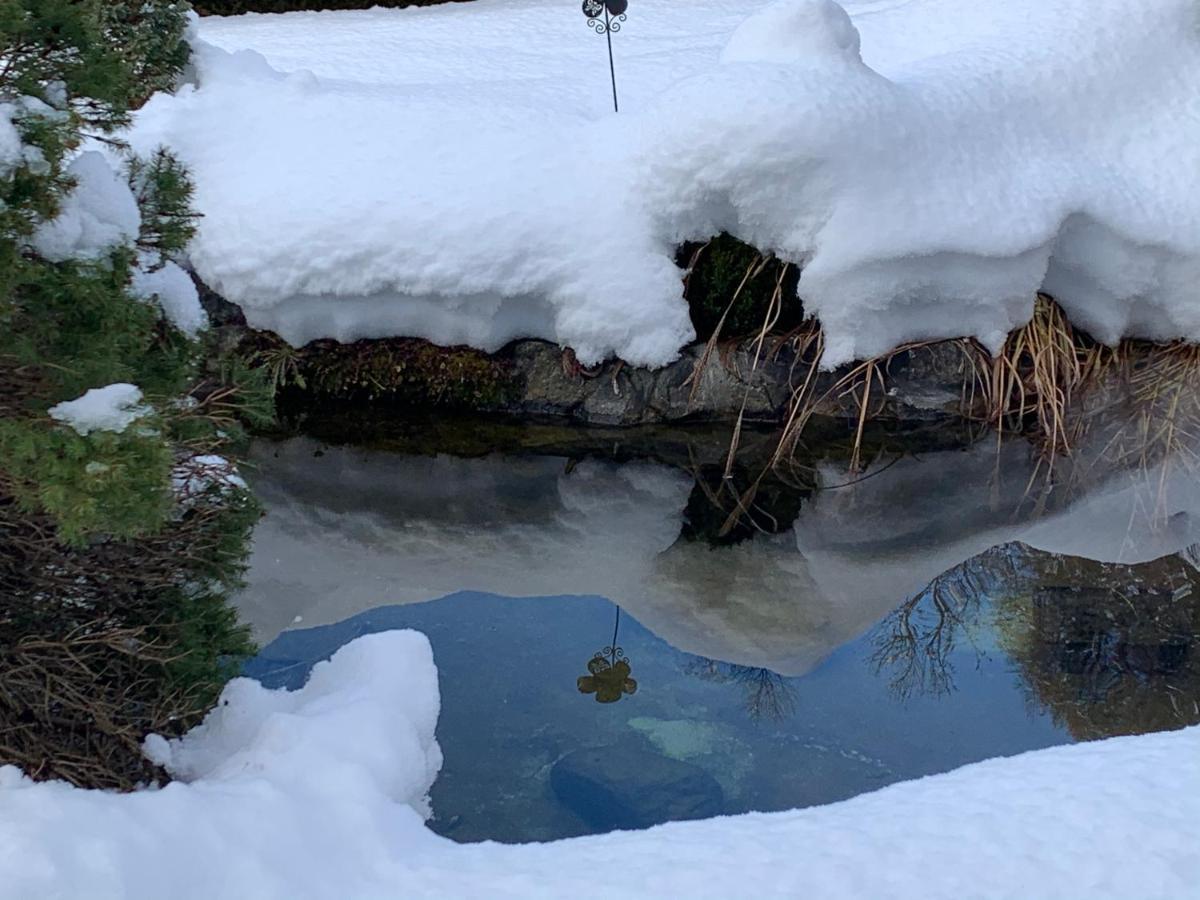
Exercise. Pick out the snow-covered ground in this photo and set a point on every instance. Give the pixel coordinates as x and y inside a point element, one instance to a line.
<point>457,172</point>
<point>321,793</point>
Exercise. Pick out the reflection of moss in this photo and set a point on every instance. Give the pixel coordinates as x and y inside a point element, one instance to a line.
<point>408,369</point>
<point>771,508</point>
<point>718,269</point>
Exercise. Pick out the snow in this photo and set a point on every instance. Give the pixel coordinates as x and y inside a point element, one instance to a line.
<point>11,146</point>
<point>14,152</point>
<point>110,408</point>
<point>97,215</point>
<point>456,172</point>
<point>322,792</point>
<point>195,475</point>
<point>172,288</point>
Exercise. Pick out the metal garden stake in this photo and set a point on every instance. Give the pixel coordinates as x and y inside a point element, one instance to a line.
<point>613,12</point>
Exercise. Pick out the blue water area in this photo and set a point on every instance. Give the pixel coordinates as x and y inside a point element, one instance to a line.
<point>529,756</point>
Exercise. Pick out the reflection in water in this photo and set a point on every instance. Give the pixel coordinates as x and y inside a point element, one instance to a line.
<point>784,674</point>
<point>997,658</point>
<point>914,646</point>
<point>609,679</point>
<point>766,694</point>
<point>350,529</point>
<point>1105,649</point>
<point>608,671</point>
<point>1111,659</point>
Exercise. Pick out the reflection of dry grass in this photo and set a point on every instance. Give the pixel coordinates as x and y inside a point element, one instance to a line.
<point>1132,407</point>
<point>1154,420</point>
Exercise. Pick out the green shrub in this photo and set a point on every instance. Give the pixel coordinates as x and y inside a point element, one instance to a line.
<point>114,577</point>
<point>236,7</point>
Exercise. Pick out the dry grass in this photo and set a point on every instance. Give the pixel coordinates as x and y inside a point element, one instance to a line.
<point>1135,406</point>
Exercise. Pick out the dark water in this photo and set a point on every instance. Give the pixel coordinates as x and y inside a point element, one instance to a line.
<point>834,656</point>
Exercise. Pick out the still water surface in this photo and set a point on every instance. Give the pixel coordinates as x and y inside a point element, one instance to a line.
<point>897,626</point>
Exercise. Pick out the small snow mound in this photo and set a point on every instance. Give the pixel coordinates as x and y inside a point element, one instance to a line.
<point>98,214</point>
<point>364,720</point>
<point>795,32</point>
<point>110,408</point>
<point>175,293</point>
<point>10,142</point>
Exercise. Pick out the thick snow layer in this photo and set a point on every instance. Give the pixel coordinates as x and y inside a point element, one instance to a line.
<point>455,172</point>
<point>172,288</point>
<point>321,793</point>
<point>110,408</point>
<point>97,215</point>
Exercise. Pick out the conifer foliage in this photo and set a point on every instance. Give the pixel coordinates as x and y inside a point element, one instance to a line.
<point>236,7</point>
<point>118,546</point>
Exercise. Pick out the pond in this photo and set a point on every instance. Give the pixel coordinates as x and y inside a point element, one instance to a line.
<point>615,650</point>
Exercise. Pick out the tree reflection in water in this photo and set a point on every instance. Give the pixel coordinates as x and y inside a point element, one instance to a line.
<point>767,695</point>
<point>913,646</point>
<point>1105,649</point>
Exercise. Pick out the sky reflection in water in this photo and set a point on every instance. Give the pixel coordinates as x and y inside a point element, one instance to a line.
<point>991,660</point>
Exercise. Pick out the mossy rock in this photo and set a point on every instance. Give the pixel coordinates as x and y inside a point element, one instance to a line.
<point>717,269</point>
<point>409,370</point>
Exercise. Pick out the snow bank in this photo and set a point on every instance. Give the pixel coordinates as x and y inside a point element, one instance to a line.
<point>454,173</point>
<point>282,794</point>
<point>110,408</point>
<point>320,793</point>
<point>97,215</point>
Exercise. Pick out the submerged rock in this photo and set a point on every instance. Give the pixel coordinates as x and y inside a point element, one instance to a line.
<point>624,786</point>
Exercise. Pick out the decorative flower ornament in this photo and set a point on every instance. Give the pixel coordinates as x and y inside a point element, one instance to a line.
<point>609,679</point>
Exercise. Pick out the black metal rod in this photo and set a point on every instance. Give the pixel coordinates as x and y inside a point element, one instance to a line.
<point>612,70</point>
<point>613,645</point>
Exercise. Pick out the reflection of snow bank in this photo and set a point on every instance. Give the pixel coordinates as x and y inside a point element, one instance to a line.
<point>320,794</point>
<point>455,173</point>
<point>351,530</point>
<point>896,529</point>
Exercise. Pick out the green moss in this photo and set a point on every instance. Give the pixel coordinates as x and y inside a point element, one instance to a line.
<point>409,370</point>
<point>718,268</point>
